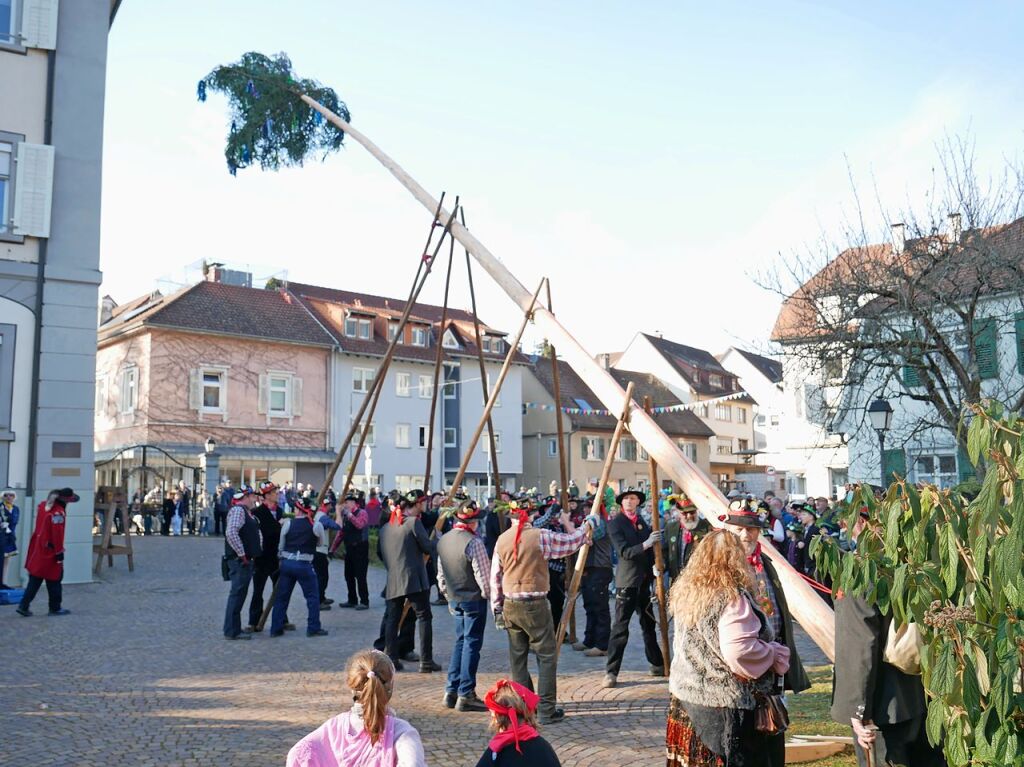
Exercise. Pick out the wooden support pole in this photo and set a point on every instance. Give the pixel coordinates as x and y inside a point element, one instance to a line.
<point>513,349</point>
<point>812,613</point>
<point>659,557</point>
<point>584,552</point>
<point>438,360</point>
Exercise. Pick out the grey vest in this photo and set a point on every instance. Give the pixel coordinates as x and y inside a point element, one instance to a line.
<point>458,569</point>
<point>699,672</point>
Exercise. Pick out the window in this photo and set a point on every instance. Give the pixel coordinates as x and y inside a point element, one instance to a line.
<point>723,412</point>
<point>490,390</point>
<point>833,370</point>
<point>492,344</point>
<point>939,470</point>
<point>642,453</point>
<point>371,436</point>
<point>280,388</point>
<point>760,420</point>
<point>393,330</point>
<point>741,415</point>
<point>401,435</point>
<point>213,391</point>
<point>359,327</point>
<point>715,380</point>
<point>406,482</point>
<point>775,420</point>
<point>451,437</point>
<point>449,341</point>
<point>627,449</point>
<point>593,448</point>
<point>101,394</point>
<point>702,411</point>
<point>419,335</point>
<point>689,449</point>
<point>403,383</point>
<point>448,390</point>
<point>742,445</point>
<point>723,448</point>
<point>129,390</point>
<point>485,443</point>
<point>425,384</point>
<point>362,379</point>
<point>552,448</point>
<point>9,21</point>
<point>422,438</point>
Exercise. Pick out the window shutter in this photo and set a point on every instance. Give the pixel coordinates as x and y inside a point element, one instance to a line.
<point>985,345</point>
<point>39,24</point>
<point>33,190</point>
<point>263,395</point>
<point>911,375</point>
<point>1018,331</point>
<point>894,461</point>
<point>296,396</point>
<point>195,389</point>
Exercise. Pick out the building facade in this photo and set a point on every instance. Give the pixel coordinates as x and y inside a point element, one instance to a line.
<point>53,60</point>
<point>695,376</point>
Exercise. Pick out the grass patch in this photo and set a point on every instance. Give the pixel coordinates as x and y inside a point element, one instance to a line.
<point>809,715</point>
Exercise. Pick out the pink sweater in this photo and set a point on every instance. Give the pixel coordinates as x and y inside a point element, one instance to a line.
<point>343,742</point>
<point>745,654</point>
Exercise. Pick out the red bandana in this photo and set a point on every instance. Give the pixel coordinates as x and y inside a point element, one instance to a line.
<point>687,537</point>
<point>755,559</point>
<point>522,516</point>
<point>517,732</point>
<point>396,515</point>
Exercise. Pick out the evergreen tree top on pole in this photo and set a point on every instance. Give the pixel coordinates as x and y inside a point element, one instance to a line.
<point>270,124</point>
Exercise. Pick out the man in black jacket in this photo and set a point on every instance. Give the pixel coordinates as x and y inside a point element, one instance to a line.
<point>266,565</point>
<point>885,707</point>
<point>683,531</point>
<point>634,542</point>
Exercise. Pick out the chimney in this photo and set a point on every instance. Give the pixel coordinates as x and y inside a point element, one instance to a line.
<point>955,228</point>
<point>604,360</point>
<point>899,237</point>
<point>107,306</point>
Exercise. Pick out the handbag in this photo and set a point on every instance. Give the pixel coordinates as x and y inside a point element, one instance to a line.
<point>903,648</point>
<point>770,714</point>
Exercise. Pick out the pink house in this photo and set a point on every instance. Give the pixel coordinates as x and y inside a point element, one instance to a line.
<point>243,366</point>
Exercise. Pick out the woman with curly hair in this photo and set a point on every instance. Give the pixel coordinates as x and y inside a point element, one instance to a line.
<point>369,735</point>
<point>726,659</point>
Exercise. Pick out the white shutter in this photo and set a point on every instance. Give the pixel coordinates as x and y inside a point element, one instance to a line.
<point>263,396</point>
<point>296,396</point>
<point>39,24</point>
<point>33,190</point>
<point>195,389</point>
<point>224,397</point>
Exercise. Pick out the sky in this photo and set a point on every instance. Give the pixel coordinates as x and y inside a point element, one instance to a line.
<point>651,159</point>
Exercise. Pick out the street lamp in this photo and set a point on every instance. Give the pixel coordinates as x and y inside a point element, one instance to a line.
<point>211,444</point>
<point>880,413</point>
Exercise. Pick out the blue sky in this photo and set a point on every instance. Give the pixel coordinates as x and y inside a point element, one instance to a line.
<point>649,158</point>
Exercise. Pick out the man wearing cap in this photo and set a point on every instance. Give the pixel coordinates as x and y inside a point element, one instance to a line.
<point>296,547</point>
<point>266,565</point>
<point>634,541</point>
<point>492,523</point>
<point>243,543</point>
<point>355,532</point>
<point>321,562</point>
<point>597,577</point>
<point>462,578</point>
<point>9,516</point>
<point>403,544</point>
<point>683,531</point>
<point>769,597</point>
<point>45,558</point>
<point>519,590</point>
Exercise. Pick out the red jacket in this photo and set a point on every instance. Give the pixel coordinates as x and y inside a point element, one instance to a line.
<point>47,543</point>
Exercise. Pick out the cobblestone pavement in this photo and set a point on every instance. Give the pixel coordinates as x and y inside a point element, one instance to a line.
<point>139,675</point>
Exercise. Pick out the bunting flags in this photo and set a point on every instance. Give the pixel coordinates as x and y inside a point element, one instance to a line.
<point>691,406</point>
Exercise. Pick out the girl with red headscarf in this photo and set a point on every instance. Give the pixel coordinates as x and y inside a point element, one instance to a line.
<point>514,721</point>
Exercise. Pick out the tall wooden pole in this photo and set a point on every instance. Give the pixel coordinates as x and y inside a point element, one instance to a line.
<point>659,556</point>
<point>813,614</point>
<point>584,552</point>
<point>438,359</point>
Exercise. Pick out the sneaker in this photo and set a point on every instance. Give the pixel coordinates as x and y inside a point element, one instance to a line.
<point>610,681</point>
<point>289,627</point>
<point>60,611</point>
<point>580,647</point>
<point>428,666</point>
<point>595,652</point>
<point>362,607</point>
<point>554,717</point>
<point>470,703</point>
<point>317,633</point>
<point>449,699</point>
<point>411,657</point>
<point>656,671</point>
<point>238,636</point>
<point>23,611</point>
<point>250,629</point>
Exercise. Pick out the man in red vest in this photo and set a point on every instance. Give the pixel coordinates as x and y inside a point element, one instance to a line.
<point>45,559</point>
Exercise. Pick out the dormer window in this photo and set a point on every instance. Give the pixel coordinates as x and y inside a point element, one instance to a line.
<point>419,335</point>
<point>393,331</point>
<point>491,344</point>
<point>716,380</point>
<point>359,326</point>
<point>449,341</point>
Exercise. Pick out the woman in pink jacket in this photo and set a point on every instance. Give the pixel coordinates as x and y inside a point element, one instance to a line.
<point>368,735</point>
<point>725,658</point>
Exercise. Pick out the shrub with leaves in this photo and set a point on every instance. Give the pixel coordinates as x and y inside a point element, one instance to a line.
<point>954,567</point>
<point>270,124</point>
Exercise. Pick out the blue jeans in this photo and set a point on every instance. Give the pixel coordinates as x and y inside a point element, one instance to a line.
<point>240,576</point>
<point>470,622</point>
<point>293,571</point>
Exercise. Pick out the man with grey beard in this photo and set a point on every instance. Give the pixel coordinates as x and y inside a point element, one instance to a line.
<point>683,531</point>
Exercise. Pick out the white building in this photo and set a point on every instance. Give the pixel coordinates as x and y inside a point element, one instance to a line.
<point>53,59</point>
<point>362,326</point>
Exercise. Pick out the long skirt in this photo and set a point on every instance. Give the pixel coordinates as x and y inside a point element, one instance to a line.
<point>683,747</point>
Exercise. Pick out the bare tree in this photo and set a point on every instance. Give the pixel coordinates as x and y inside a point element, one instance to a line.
<point>933,314</point>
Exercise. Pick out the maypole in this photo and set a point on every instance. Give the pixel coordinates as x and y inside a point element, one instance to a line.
<point>279,120</point>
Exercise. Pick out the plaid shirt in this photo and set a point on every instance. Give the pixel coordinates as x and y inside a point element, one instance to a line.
<point>476,553</point>
<point>236,518</point>
<point>552,546</point>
